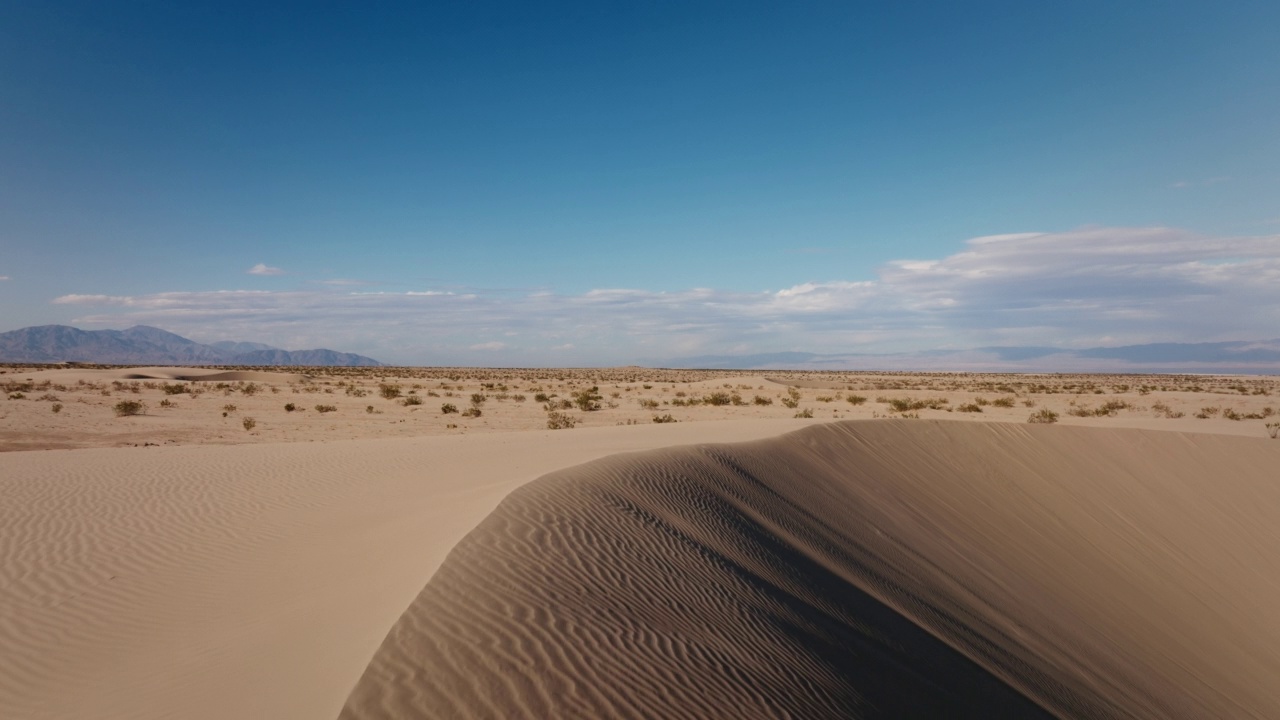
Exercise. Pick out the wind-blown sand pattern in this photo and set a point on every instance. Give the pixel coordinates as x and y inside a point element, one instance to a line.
<point>830,572</point>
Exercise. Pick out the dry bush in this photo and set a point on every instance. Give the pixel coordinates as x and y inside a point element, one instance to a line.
<point>125,408</point>
<point>560,421</point>
<point>1043,415</point>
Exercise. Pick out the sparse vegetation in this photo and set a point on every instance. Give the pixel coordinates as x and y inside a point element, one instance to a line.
<point>648,404</point>
<point>805,413</point>
<point>855,399</point>
<point>560,421</point>
<point>249,423</point>
<point>389,391</point>
<point>761,400</point>
<point>448,409</point>
<point>1273,429</point>
<point>125,408</point>
<point>57,408</point>
<point>1043,415</point>
<point>410,400</point>
<point>290,407</point>
<point>326,409</point>
<point>588,399</point>
<point>664,418</point>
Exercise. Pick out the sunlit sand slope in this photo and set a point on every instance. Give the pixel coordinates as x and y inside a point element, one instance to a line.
<point>887,569</point>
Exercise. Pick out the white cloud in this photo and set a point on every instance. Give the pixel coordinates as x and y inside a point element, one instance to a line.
<point>264,269</point>
<point>4,277</point>
<point>1066,289</point>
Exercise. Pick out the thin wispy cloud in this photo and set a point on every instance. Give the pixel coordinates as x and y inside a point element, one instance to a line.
<point>4,277</point>
<point>264,269</point>
<point>1200,183</point>
<point>1063,289</point>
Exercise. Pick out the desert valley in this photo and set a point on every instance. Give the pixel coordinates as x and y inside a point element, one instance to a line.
<point>460,542</point>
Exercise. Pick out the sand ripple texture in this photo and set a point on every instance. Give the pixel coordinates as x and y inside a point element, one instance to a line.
<point>885,569</point>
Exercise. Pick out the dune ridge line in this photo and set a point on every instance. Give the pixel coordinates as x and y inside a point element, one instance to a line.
<point>882,569</point>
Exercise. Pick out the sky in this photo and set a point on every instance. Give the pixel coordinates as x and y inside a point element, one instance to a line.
<point>525,184</point>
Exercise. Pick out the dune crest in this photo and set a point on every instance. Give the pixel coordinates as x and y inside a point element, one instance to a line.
<point>881,569</point>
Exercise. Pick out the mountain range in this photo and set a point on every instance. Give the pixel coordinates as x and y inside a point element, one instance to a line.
<point>1235,357</point>
<point>143,345</point>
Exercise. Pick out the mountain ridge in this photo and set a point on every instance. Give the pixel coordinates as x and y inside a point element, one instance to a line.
<point>146,345</point>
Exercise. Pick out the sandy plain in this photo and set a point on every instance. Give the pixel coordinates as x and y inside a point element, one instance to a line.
<point>186,563</point>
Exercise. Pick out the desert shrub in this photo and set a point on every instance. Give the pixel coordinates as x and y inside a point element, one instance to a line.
<point>354,391</point>
<point>824,398</point>
<point>805,413</point>
<point>411,400</point>
<point>588,399</point>
<point>664,418</point>
<point>1043,415</point>
<point>290,407</point>
<point>326,409</point>
<point>16,396</point>
<point>1208,412</point>
<point>1230,414</point>
<point>541,397</point>
<point>250,389</point>
<point>477,399</point>
<point>57,408</point>
<point>228,408</point>
<point>389,391</point>
<point>648,404</point>
<point>167,403</point>
<point>448,408</point>
<point>790,402</point>
<point>1273,429</point>
<point>173,388</point>
<point>49,397</point>
<point>1111,407</point>
<point>560,421</point>
<point>970,408</point>
<point>717,398</point>
<point>856,399</point>
<point>1163,410</point>
<point>130,407</point>
<point>518,397</point>
<point>249,423</point>
<point>472,411</point>
<point>760,400</point>
<point>369,409</point>
<point>1004,402</point>
<point>736,399</point>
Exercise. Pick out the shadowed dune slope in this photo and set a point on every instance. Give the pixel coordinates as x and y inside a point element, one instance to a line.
<point>884,569</point>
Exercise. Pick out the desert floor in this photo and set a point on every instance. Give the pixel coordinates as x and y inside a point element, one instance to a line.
<point>220,555</point>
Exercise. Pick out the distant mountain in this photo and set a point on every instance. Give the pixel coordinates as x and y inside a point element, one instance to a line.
<point>1237,357</point>
<point>143,345</point>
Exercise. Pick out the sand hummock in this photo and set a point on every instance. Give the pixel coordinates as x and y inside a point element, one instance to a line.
<point>887,569</point>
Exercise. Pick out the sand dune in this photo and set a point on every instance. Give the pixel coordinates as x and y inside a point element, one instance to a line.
<point>245,581</point>
<point>890,569</point>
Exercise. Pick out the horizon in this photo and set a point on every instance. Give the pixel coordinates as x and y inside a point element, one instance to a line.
<point>577,186</point>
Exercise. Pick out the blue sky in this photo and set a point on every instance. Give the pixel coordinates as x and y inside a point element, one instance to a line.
<point>524,183</point>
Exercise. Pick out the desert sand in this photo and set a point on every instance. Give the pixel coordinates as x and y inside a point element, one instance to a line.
<point>388,560</point>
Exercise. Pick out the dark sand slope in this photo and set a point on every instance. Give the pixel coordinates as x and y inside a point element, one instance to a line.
<point>1103,573</point>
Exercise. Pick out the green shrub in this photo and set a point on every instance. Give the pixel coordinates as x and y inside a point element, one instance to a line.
<point>588,399</point>
<point>130,407</point>
<point>560,421</point>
